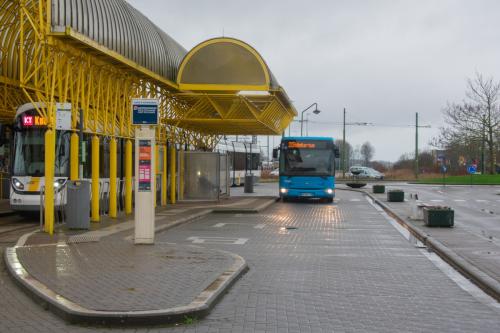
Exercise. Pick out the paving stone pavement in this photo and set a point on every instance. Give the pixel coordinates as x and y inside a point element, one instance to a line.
<point>478,250</point>
<point>119,276</point>
<point>345,269</point>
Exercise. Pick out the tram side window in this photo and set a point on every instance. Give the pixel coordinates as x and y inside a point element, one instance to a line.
<point>239,161</point>
<point>104,158</point>
<point>255,161</point>
<point>62,153</point>
<point>87,156</point>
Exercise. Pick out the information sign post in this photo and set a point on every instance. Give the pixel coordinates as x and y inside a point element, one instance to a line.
<point>145,116</point>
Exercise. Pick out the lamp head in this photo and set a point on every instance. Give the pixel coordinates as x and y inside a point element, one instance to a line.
<point>316,111</point>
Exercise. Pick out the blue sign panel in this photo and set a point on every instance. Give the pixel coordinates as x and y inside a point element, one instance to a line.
<point>144,111</point>
<point>471,169</point>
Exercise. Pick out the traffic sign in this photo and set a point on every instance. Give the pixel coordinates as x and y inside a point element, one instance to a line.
<point>471,169</point>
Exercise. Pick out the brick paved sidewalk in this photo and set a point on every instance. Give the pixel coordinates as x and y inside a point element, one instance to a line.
<point>103,277</point>
<point>479,254</point>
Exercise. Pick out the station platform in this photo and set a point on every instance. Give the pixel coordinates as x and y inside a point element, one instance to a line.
<point>100,277</point>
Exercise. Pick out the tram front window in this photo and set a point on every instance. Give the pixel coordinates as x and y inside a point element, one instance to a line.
<point>29,153</point>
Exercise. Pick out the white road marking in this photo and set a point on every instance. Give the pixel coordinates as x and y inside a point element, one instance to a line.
<point>459,200</point>
<point>354,200</point>
<point>437,200</point>
<point>481,200</point>
<point>219,225</point>
<point>217,240</point>
<point>260,226</point>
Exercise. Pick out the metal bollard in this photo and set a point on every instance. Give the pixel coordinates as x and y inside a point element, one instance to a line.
<point>42,207</point>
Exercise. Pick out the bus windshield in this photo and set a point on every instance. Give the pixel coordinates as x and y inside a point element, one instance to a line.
<point>307,159</point>
<point>29,153</point>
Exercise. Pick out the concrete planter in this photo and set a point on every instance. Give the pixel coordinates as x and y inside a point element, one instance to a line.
<point>378,188</point>
<point>395,196</point>
<point>356,185</point>
<point>439,216</point>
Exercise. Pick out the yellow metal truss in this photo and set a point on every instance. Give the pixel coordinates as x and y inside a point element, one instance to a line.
<point>212,113</point>
<point>38,65</point>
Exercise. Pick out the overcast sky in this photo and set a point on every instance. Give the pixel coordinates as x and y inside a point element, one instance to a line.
<point>382,60</point>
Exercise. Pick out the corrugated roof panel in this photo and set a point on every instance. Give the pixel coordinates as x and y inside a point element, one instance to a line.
<point>118,26</point>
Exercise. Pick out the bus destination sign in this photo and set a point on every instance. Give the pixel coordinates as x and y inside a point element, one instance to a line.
<point>295,144</point>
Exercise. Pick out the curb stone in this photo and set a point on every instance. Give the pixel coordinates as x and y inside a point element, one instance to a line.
<point>75,313</point>
<point>255,210</point>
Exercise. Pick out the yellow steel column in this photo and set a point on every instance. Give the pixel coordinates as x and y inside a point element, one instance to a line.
<point>164,177</point>
<point>50,150</point>
<point>128,177</point>
<point>112,177</point>
<point>95,179</point>
<point>181,174</point>
<point>172,174</point>
<point>156,171</point>
<point>73,157</point>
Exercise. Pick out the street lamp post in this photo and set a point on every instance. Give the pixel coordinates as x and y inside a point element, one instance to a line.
<point>316,111</point>
<point>344,146</point>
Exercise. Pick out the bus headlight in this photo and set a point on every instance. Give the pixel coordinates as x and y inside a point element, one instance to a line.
<point>17,184</point>
<point>283,190</point>
<point>329,191</point>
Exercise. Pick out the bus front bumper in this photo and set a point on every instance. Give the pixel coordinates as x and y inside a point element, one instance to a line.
<point>306,193</point>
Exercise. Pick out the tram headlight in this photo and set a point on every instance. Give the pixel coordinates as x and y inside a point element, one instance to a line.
<point>17,184</point>
<point>283,190</point>
<point>59,183</point>
<point>329,191</point>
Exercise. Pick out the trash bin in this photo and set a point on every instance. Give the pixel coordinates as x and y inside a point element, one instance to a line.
<point>248,183</point>
<point>77,204</point>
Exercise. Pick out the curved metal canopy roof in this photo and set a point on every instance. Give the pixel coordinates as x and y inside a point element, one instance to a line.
<point>225,64</point>
<point>121,28</point>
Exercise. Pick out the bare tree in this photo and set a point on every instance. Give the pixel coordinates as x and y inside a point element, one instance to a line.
<point>367,152</point>
<point>348,151</point>
<point>475,120</point>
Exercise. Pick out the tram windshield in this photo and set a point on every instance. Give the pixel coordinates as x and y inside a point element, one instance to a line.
<point>29,152</point>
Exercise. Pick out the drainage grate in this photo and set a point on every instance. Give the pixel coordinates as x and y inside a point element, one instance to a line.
<point>83,239</point>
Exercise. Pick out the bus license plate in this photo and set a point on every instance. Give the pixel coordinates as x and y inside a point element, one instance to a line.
<point>306,195</point>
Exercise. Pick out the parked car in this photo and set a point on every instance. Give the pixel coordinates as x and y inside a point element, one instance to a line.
<point>364,172</point>
<point>275,172</point>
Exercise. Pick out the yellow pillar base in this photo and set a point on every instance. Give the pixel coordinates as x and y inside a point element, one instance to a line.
<point>173,184</point>
<point>73,157</point>
<point>112,178</point>
<point>50,150</point>
<point>95,180</point>
<point>128,177</point>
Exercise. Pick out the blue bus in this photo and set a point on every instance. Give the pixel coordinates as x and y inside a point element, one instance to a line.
<point>307,167</point>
